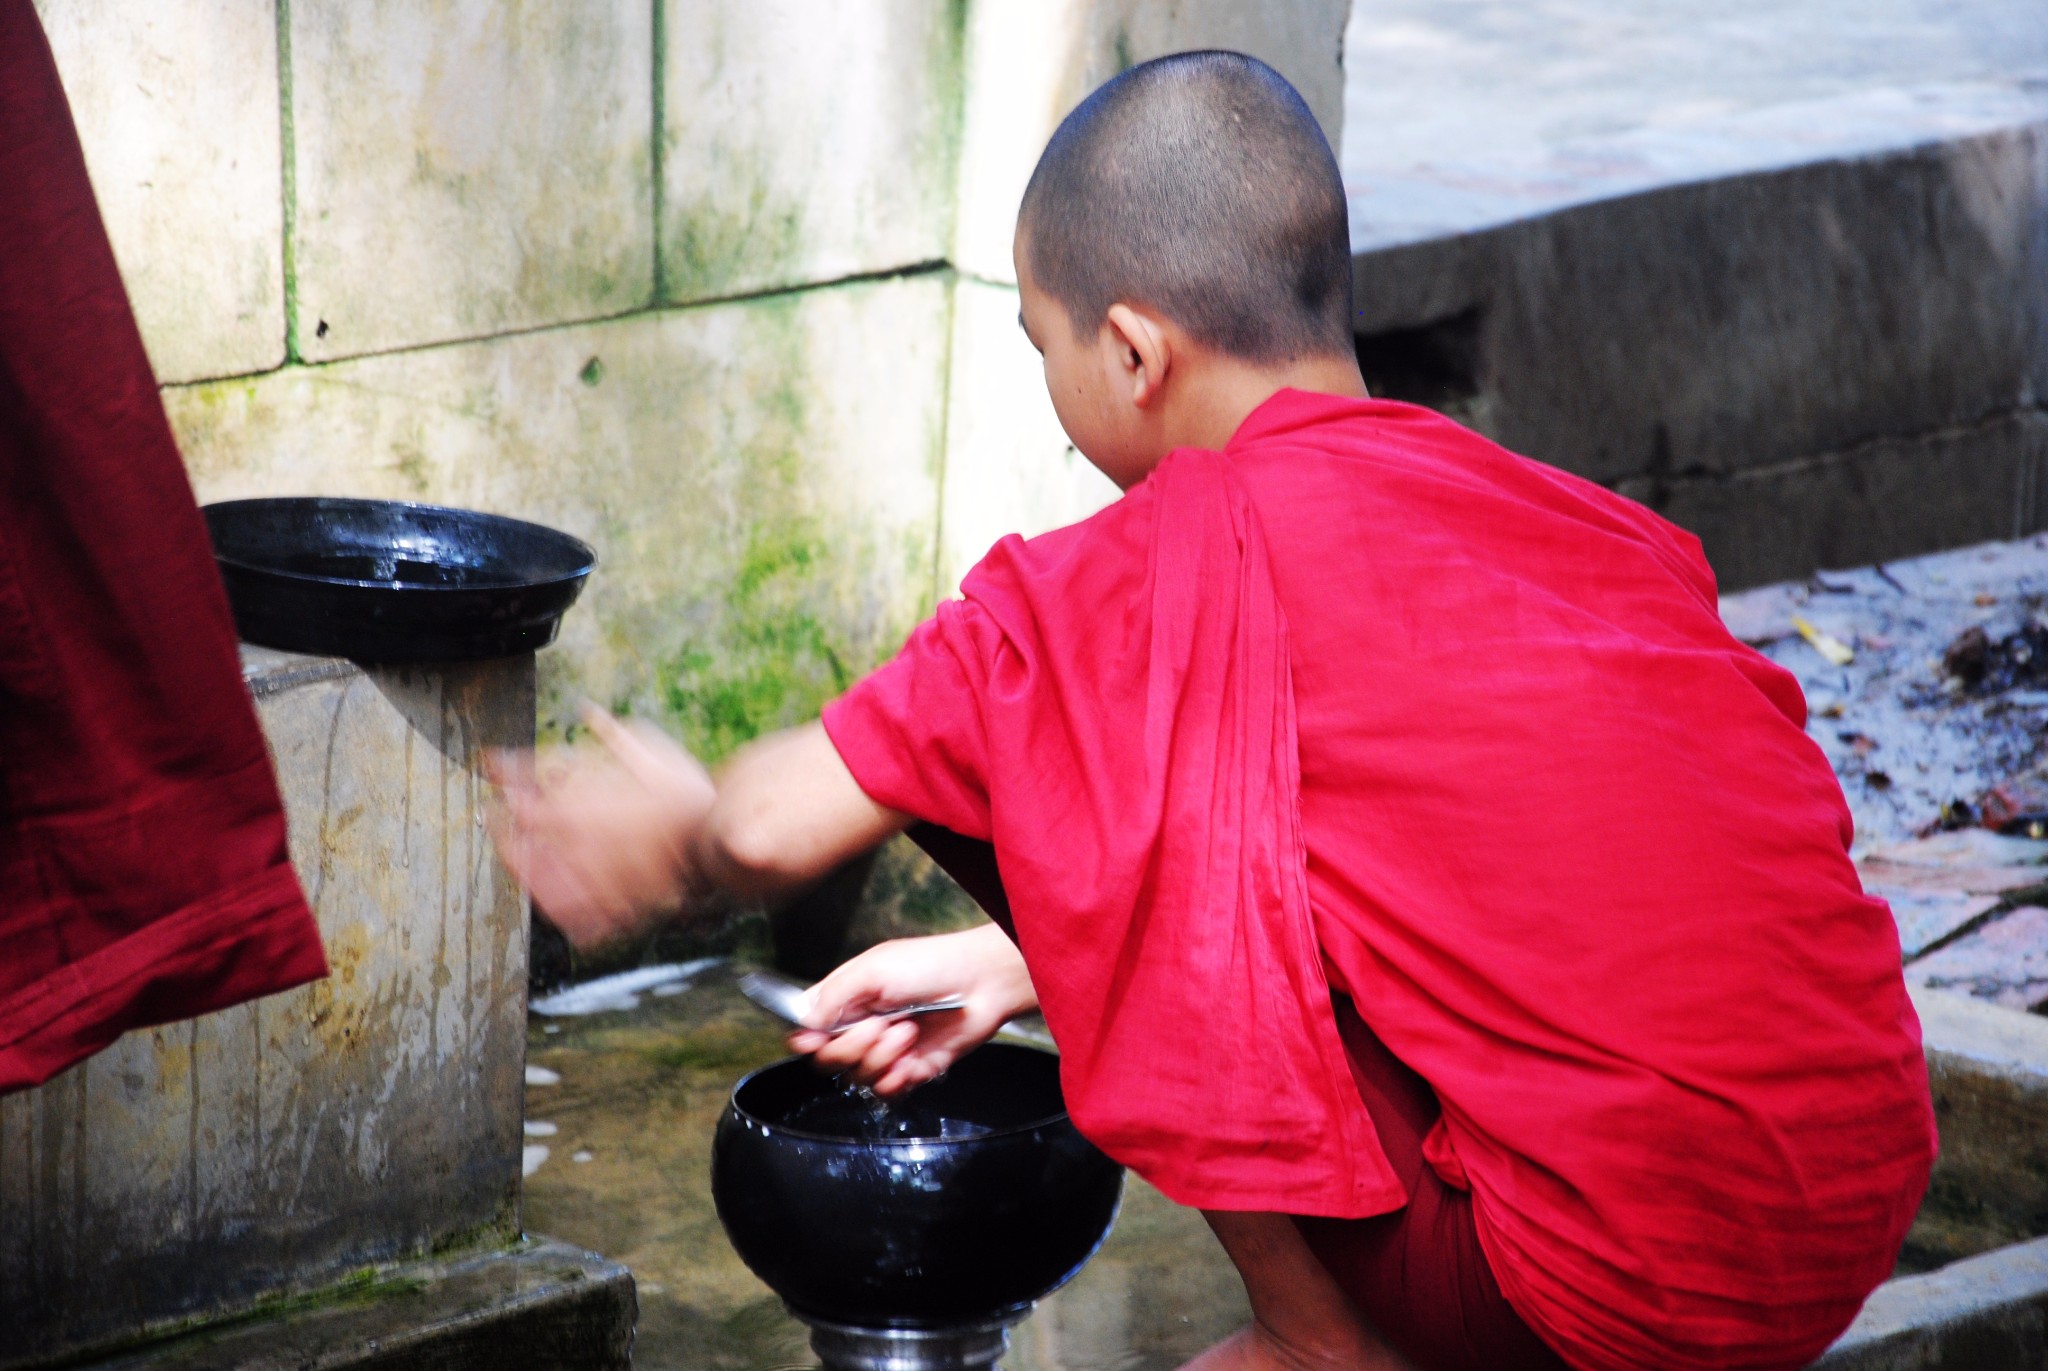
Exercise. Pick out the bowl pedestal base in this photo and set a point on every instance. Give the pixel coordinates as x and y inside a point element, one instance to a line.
<point>974,1346</point>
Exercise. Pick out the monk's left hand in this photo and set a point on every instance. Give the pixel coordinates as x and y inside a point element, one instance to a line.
<point>602,836</point>
<point>980,965</point>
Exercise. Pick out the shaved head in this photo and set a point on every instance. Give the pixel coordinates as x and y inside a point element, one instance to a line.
<point>1199,185</point>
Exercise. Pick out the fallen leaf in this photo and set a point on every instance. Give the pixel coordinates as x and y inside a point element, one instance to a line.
<point>1826,644</point>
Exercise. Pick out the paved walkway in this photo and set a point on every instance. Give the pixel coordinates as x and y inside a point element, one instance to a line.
<point>1461,114</point>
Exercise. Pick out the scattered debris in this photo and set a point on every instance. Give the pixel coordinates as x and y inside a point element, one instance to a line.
<point>1827,645</point>
<point>581,1157</point>
<point>2017,806</point>
<point>540,1128</point>
<point>1987,667</point>
<point>1968,657</point>
<point>540,1075</point>
<point>1955,814</point>
<point>530,1158</point>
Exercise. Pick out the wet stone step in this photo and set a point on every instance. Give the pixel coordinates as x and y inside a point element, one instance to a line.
<point>540,1306</point>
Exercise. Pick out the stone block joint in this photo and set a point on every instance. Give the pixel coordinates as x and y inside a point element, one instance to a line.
<point>289,173</point>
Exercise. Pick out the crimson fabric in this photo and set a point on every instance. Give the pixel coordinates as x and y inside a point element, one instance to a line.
<point>1418,1274</point>
<point>1159,743</point>
<point>1563,840</point>
<point>143,875</point>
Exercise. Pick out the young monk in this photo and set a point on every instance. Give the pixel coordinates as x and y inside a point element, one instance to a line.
<point>1415,874</point>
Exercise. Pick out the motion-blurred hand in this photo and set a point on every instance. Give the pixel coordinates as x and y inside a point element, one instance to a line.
<point>980,965</point>
<point>602,835</point>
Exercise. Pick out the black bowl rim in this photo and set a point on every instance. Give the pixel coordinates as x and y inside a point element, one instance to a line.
<point>580,548</point>
<point>768,1126</point>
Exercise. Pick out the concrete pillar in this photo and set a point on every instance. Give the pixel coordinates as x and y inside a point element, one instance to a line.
<point>194,1170</point>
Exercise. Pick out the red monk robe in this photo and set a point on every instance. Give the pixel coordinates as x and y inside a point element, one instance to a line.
<point>1367,702</point>
<point>143,873</point>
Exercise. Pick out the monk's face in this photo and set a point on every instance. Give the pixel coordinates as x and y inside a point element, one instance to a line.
<point>1090,381</point>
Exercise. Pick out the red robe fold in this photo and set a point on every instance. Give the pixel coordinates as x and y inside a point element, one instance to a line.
<point>1366,697</point>
<point>143,874</point>
<point>1161,870</point>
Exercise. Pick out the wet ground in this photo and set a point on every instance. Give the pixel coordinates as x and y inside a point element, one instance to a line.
<point>627,1174</point>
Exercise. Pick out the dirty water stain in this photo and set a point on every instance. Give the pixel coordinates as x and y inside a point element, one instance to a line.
<point>641,1092</point>
<point>192,1128</point>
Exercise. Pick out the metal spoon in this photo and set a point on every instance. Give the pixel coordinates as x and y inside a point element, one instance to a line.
<point>785,1000</point>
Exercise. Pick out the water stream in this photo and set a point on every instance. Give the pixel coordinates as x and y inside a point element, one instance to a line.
<point>627,1174</point>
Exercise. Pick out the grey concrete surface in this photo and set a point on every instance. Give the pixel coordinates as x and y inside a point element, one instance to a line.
<point>1780,273</point>
<point>1987,1313</point>
<point>1462,115</point>
<point>543,1306</point>
<point>1988,1069</point>
<point>192,1170</point>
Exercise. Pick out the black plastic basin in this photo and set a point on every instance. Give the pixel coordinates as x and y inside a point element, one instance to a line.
<point>916,1228</point>
<point>391,581</point>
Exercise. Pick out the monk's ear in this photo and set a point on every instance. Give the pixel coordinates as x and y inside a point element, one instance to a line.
<point>1144,353</point>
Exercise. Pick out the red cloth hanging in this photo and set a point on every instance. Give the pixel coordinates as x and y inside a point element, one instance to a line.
<point>143,872</point>
<point>1366,697</point>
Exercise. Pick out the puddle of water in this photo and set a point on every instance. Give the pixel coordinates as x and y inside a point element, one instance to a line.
<point>621,992</point>
<point>640,1091</point>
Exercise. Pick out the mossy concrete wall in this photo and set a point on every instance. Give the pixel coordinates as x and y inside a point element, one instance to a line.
<point>722,286</point>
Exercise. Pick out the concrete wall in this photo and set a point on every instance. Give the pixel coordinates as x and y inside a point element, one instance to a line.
<point>722,286</point>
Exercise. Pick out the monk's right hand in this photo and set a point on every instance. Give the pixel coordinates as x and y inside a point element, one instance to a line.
<point>980,965</point>
<point>602,836</point>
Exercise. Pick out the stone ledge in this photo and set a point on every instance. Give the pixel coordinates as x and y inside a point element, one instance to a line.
<point>1893,497</point>
<point>1984,1312</point>
<point>539,1306</point>
<point>1748,320</point>
<point>1988,1069</point>
<point>268,670</point>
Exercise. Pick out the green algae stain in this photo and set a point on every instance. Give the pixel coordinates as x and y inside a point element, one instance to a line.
<point>785,630</point>
<point>775,660</point>
<point>1125,57</point>
<point>722,252</point>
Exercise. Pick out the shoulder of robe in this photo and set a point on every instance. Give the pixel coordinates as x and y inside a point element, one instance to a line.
<point>1093,557</point>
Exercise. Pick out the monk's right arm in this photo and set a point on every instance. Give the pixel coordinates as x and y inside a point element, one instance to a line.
<point>787,811</point>
<point>608,838</point>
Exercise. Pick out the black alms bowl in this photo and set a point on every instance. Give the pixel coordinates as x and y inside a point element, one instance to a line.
<point>392,581</point>
<point>857,1224</point>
